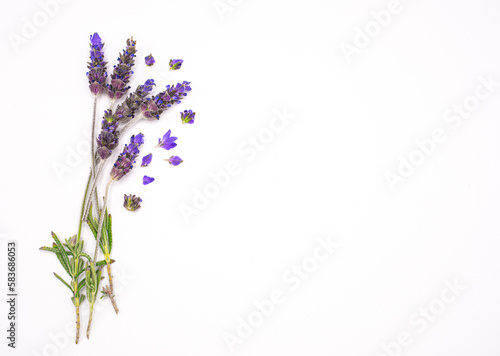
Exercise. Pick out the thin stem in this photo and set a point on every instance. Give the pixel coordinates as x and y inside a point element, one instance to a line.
<point>101,220</point>
<point>77,324</point>
<point>91,311</point>
<point>83,206</point>
<point>131,122</point>
<point>92,138</point>
<point>111,291</point>
<point>92,190</point>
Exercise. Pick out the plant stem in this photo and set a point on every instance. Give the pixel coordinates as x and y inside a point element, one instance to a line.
<point>92,152</point>
<point>111,292</point>
<point>91,311</point>
<point>131,122</point>
<point>101,220</point>
<point>93,189</point>
<point>77,324</point>
<point>83,206</point>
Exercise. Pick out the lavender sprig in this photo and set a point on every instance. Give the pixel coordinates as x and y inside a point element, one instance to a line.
<point>97,66</point>
<point>122,71</point>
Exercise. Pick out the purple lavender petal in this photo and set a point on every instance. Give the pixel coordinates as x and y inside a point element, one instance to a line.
<point>175,64</point>
<point>146,180</point>
<point>149,60</point>
<point>167,142</point>
<point>146,160</point>
<point>174,160</point>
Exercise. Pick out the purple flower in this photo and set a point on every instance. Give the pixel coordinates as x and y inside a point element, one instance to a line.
<point>131,202</point>
<point>127,109</point>
<point>167,142</point>
<point>174,160</point>
<point>126,159</point>
<point>122,71</point>
<point>153,107</point>
<point>187,116</point>
<point>149,60</point>
<point>175,64</point>
<point>146,160</point>
<point>97,66</point>
<point>108,138</point>
<point>146,180</point>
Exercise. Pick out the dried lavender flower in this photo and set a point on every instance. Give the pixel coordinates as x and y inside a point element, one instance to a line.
<point>97,66</point>
<point>146,180</point>
<point>146,160</point>
<point>149,60</point>
<point>166,141</point>
<point>187,116</point>
<point>131,202</point>
<point>122,71</point>
<point>175,64</point>
<point>153,107</point>
<point>174,160</point>
<point>126,159</point>
<point>108,138</point>
<point>128,108</point>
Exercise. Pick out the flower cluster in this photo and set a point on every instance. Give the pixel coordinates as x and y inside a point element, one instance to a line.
<point>149,60</point>
<point>97,66</point>
<point>153,107</point>
<point>108,138</point>
<point>126,159</point>
<point>187,116</point>
<point>122,71</point>
<point>175,64</point>
<point>126,110</point>
<point>131,202</point>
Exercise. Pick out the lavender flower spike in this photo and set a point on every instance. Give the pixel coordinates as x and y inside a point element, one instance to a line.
<point>175,64</point>
<point>146,180</point>
<point>126,110</point>
<point>174,160</point>
<point>108,138</point>
<point>153,107</point>
<point>149,60</point>
<point>187,116</point>
<point>97,66</point>
<point>131,202</point>
<point>122,71</point>
<point>126,159</point>
<point>146,160</point>
<point>167,142</point>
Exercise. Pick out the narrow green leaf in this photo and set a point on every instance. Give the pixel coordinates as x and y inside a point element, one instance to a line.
<point>63,255</point>
<point>80,285</point>
<point>62,280</point>
<point>110,233</point>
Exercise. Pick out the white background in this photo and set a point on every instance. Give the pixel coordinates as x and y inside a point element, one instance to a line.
<point>190,280</point>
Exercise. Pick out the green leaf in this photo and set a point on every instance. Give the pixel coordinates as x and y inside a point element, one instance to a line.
<point>62,280</point>
<point>52,249</point>
<point>86,256</point>
<point>80,285</point>
<point>110,232</point>
<point>64,258</point>
<point>103,263</point>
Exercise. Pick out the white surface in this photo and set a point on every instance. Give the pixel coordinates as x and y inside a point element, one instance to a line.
<point>323,174</point>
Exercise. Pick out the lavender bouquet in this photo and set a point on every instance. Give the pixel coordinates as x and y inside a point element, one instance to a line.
<point>85,270</point>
